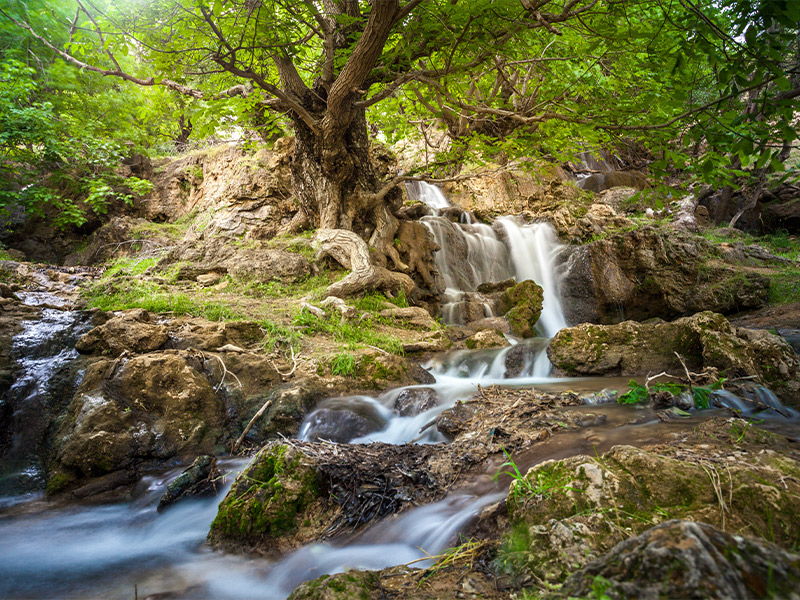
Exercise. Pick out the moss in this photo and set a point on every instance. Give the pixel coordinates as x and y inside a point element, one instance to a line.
<point>58,482</point>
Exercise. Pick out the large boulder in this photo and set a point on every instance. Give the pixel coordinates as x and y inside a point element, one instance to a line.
<point>684,559</point>
<point>566,513</point>
<point>153,406</point>
<point>133,331</point>
<point>653,272</point>
<point>703,340</point>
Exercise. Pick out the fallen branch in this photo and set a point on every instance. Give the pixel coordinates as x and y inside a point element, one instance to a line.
<point>247,429</point>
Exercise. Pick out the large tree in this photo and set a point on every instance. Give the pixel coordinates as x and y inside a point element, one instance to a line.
<point>488,67</point>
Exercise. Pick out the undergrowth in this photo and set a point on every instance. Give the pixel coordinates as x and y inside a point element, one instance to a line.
<point>352,333</point>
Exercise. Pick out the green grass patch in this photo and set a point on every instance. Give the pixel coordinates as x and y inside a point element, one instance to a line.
<point>129,266</point>
<point>784,286</point>
<point>4,255</point>
<point>352,333</point>
<point>128,292</point>
<point>779,243</point>
<point>314,286</point>
<point>344,364</point>
<point>375,301</point>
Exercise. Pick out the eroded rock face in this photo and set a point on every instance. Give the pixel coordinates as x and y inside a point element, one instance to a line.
<point>132,330</point>
<point>652,272</point>
<point>683,559</point>
<point>152,406</point>
<point>703,340</point>
<point>572,511</point>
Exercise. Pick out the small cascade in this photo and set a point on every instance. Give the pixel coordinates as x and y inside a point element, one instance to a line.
<point>44,355</point>
<point>473,253</point>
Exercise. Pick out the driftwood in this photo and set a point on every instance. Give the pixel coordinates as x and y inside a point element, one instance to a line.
<point>247,429</point>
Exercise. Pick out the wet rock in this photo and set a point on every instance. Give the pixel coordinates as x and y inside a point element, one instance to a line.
<point>498,324</point>
<point>197,480</point>
<point>132,330</point>
<point>683,559</point>
<point>341,420</point>
<point>574,510</point>
<point>498,286</point>
<point>413,315</point>
<point>413,401</point>
<point>522,305</point>
<point>485,339</point>
<point>653,272</point>
<point>420,374</point>
<point>295,493</point>
<point>703,340</point>
<point>152,406</point>
<point>454,421</point>
<point>521,356</point>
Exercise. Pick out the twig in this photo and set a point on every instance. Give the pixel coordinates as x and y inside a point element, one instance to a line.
<point>247,429</point>
<point>224,373</point>
<point>686,370</point>
<point>285,376</point>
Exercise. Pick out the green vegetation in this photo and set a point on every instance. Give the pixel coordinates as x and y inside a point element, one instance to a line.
<point>784,286</point>
<point>638,393</point>
<point>779,243</point>
<point>353,333</point>
<point>344,364</point>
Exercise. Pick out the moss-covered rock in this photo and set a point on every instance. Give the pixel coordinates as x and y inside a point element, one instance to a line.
<point>702,340</point>
<point>486,338</point>
<point>522,306</point>
<point>568,512</point>
<point>268,501</point>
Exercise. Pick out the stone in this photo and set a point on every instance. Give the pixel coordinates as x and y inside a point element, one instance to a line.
<point>704,340</point>
<point>522,305</point>
<point>684,559</point>
<point>486,339</point>
<point>498,324</point>
<point>597,182</point>
<point>196,480</point>
<point>413,315</point>
<point>132,331</point>
<point>412,401</point>
<point>208,279</point>
<point>341,420</point>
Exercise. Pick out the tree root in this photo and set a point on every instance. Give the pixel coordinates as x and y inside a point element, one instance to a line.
<point>350,251</point>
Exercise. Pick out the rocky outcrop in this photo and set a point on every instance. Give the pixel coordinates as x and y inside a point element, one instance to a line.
<point>703,340</point>
<point>684,559</point>
<point>132,331</point>
<point>292,494</point>
<point>566,513</point>
<point>653,272</point>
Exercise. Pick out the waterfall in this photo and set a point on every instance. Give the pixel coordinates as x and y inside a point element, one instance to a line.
<point>472,253</point>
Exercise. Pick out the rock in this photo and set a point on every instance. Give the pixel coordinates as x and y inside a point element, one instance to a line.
<point>454,421</point>
<point>498,324</point>
<point>485,339</point>
<point>618,197</point>
<point>413,401</point>
<point>196,480</point>
<point>520,357</point>
<point>522,305</point>
<point>197,333</point>
<point>132,330</point>
<point>413,315</point>
<point>683,559</point>
<point>436,341</point>
<point>572,511</point>
<point>703,340</point>
<point>208,279</point>
<point>152,406</point>
<point>340,420</point>
<point>653,272</point>
<point>499,286</point>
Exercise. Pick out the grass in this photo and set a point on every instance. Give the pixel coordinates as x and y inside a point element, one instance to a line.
<point>784,286</point>
<point>780,243</point>
<point>313,286</point>
<point>352,333</point>
<point>4,255</point>
<point>374,302</point>
<point>344,364</point>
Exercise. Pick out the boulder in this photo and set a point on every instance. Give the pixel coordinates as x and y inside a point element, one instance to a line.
<point>566,513</point>
<point>522,304</point>
<point>486,338</point>
<point>684,559</point>
<point>653,272</point>
<point>131,330</point>
<point>341,420</point>
<point>412,401</point>
<point>703,340</point>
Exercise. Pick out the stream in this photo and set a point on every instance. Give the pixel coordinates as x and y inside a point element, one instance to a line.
<point>80,551</point>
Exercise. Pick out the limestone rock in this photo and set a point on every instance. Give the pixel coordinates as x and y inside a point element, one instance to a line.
<point>703,340</point>
<point>486,338</point>
<point>683,559</point>
<point>522,305</point>
<point>413,401</point>
<point>132,330</point>
<point>653,272</point>
<point>413,315</point>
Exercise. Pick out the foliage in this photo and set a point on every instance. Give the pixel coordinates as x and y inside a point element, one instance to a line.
<point>638,393</point>
<point>352,333</point>
<point>344,364</point>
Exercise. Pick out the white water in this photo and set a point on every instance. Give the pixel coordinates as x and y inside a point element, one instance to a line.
<point>474,253</point>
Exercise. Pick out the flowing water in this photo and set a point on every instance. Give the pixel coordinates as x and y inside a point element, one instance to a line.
<point>104,551</point>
